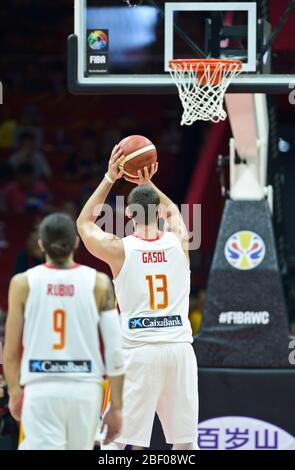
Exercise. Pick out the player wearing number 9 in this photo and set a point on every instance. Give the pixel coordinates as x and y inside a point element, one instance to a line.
<point>152,284</point>
<point>55,310</point>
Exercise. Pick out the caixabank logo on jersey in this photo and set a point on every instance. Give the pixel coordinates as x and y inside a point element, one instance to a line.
<point>48,366</point>
<point>97,51</point>
<point>244,250</point>
<point>242,433</point>
<point>154,322</point>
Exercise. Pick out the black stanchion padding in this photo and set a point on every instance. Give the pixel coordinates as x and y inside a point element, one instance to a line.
<point>223,344</point>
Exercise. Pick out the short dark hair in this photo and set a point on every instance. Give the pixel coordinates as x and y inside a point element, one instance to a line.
<point>58,235</point>
<point>147,201</point>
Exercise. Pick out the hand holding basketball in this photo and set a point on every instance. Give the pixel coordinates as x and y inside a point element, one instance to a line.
<point>139,152</point>
<point>135,157</point>
<point>144,177</point>
<point>114,171</point>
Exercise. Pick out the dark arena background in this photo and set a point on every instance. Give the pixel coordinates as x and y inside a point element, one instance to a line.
<point>59,120</point>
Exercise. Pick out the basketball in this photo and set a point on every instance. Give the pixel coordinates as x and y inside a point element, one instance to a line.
<point>139,152</point>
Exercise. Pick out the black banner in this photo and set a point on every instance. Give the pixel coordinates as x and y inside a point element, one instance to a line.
<point>134,459</point>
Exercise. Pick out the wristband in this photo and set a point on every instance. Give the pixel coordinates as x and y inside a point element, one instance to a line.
<point>108,178</point>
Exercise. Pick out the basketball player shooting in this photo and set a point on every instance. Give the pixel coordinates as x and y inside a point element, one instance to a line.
<point>54,312</point>
<point>151,276</point>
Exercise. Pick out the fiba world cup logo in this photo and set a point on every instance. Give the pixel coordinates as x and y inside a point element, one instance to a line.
<point>244,250</point>
<point>98,40</point>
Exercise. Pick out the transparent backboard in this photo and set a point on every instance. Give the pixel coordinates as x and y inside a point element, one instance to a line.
<point>123,48</point>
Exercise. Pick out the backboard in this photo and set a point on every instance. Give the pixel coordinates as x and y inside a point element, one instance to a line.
<point>121,49</point>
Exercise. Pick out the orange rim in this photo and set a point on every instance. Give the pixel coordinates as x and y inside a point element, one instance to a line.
<point>200,64</point>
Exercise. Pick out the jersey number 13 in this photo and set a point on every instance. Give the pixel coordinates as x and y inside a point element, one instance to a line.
<point>158,284</point>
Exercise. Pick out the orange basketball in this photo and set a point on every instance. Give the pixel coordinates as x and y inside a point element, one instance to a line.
<point>139,152</point>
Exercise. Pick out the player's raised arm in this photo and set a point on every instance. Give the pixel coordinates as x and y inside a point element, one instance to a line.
<point>173,218</point>
<point>99,243</point>
<point>18,292</point>
<point>111,333</point>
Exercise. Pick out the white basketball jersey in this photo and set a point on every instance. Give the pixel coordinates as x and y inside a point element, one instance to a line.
<point>152,290</point>
<point>61,326</point>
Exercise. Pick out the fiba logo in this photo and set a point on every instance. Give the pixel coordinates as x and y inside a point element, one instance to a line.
<point>244,250</point>
<point>98,59</point>
<point>98,40</point>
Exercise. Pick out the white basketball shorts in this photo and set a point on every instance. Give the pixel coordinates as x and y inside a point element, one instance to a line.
<point>161,378</point>
<point>60,415</point>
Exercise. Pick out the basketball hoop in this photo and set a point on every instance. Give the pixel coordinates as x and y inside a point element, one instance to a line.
<point>202,84</point>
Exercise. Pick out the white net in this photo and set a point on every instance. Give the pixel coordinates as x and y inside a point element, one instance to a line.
<point>201,88</point>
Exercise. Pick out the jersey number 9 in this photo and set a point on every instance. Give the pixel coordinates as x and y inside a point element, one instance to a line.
<point>59,326</point>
